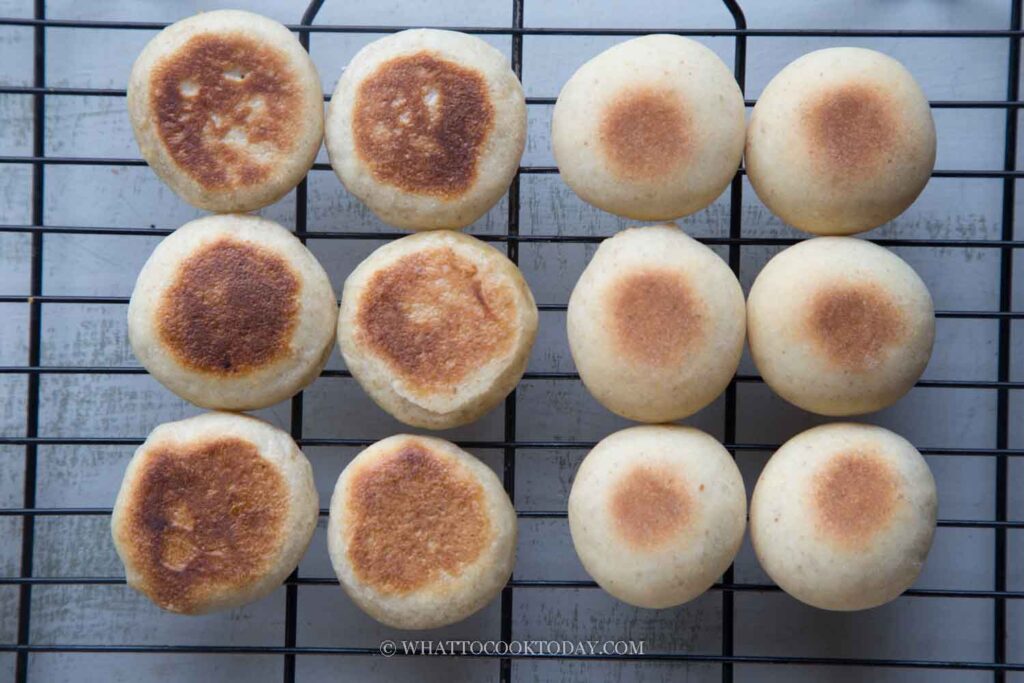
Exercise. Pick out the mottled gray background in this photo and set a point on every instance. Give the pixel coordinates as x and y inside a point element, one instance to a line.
<point>130,405</point>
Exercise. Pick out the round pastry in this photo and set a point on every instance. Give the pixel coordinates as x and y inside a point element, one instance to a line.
<point>427,127</point>
<point>656,324</point>
<point>840,141</point>
<point>421,533</point>
<point>657,514</point>
<point>437,327</point>
<point>650,129</point>
<point>840,326</point>
<point>232,312</point>
<point>843,516</point>
<point>227,109</point>
<point>215,511</point>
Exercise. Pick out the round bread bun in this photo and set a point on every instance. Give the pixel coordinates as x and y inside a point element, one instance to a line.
<point>227,109</point>
<point>840,141</point>
<point>215,511</point>
<point>426,128</point>
<point>421,533</point>
<point>650,129</point>
<point>843,516</point>
<point>657,514</point>
<point>232,312</point>
<point>437,328</point>
<point>840,326</point>
<point>656,324</point>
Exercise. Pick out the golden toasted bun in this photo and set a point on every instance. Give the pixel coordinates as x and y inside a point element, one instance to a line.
<point>840,326</point>
<point>657,514</point>
<point>843,515</point>
<point>214,512</point>
<point>232,312</point>
<point>421,533</point>
<point>227,109</point>
<point>437,328</point>
<point>650,129</point>
<point>840,141</point>
<point>656,324</point>
<point>427,127</point>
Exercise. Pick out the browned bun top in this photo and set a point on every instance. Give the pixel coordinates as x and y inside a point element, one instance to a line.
<point>645,133</point>
<point>854,324</point>
<point>855,496</point>
<point>413,517</point>
<point>204,518</point>
<point>420,122</point>
<point>435,318</point>
<point>656,318</point>
<point>226,107</point>
<point>650,505</point>
<point>232,308</point>
<point>851,130</point>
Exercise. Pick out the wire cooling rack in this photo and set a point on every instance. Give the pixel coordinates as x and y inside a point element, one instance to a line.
<point>727,658</point>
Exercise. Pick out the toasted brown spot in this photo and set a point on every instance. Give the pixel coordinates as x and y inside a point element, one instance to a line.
<point>232,308</point>
<point>645,133</point>
<point>420,123</point>
<point>656,318</point>
<point>414,518</point>
<point>851,129</point>
<point>227,108</point>
<point>854,325</point>
<point>650,505</point>
<point>855,496</point>
<point>436,319</point>
<point>206,517</point>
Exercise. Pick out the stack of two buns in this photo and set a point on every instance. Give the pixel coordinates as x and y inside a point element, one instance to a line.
<point>437,327</point>
<point>653,128</point>
<point>427,127</point>
<point>232,313</point>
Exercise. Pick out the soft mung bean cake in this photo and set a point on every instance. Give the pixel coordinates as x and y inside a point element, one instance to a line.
<point>427,127</point>
<point>843,516</point>
<point>215,511</point>
<point>227,109</point>
<point>650,129</point>
<point>656,324</point>
<point>421,533</point>
<point>840,326</point>
<point>232,312</point>
<point>437,327</point>
<point>840,141</point>
<point>657,514</point>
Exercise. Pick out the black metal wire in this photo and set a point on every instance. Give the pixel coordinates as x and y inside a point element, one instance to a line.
<point>552,238</point>
<point>735,261</point>
<point>1005,304</point>
<point>558,31</point>
<point>480,444</point>
<point>509,445</point>
<point>509,455</point>
<point>654,656</point>
<point>528,170</point>
<point>34,348</point>
<point>291,616</point>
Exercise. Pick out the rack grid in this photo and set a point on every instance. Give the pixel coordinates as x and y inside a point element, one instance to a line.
<point>509,445</point>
